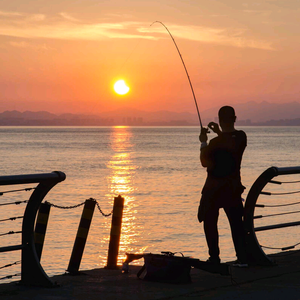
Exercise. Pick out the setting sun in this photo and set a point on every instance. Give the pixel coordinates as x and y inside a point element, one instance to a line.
<point>121,88</point>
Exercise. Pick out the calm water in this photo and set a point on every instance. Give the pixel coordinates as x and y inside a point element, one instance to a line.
<point>158,172</point>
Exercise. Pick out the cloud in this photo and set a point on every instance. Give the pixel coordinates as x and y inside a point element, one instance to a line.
<point>263,13</point>
<point>23,44</point>
<point>10,14</point>
<point>36,17</point>
<point>65,26</point>
<point>68,17</point>
<point>17,16</point>
<point>220,36</point>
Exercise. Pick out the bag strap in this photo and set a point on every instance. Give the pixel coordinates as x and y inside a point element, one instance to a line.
<point>139,273</point>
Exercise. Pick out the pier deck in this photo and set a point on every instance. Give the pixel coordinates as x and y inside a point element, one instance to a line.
<point>278,282</point>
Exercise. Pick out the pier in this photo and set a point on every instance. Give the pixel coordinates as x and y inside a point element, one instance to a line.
<point>256,282</point>
<point>274,276</point>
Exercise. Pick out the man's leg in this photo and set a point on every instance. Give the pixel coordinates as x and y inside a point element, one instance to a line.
<point>211,233</point>
<point>235,217</point>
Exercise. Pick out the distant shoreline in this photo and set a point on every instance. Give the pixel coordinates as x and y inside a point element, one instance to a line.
<point>248,114</point>
<point>266,124</point>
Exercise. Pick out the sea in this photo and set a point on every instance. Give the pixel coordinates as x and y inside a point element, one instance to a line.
<point>156,170</point>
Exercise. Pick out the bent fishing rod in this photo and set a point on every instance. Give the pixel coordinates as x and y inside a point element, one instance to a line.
<point>184,68</point>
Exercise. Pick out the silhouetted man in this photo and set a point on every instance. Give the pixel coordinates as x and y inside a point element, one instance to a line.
<point>223,188</point>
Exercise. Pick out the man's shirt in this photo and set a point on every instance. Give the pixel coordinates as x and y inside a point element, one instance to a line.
<point>223,155</point>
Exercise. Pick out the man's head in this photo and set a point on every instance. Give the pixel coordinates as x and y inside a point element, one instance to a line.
<point>227,118</point>
<point>227,114</point>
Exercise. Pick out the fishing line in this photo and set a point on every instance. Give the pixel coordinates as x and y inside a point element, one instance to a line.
<point>184,68</point>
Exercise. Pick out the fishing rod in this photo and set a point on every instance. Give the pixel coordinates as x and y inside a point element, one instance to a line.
<point>184,68</point>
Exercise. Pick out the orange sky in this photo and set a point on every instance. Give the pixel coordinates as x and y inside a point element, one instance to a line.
<point>64,56</point>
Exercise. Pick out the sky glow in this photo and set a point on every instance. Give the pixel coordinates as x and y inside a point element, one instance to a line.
<point>62,56</point>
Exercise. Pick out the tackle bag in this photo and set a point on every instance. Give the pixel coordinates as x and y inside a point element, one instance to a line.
<point>165,268</point>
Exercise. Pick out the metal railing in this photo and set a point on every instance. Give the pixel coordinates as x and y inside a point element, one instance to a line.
<point>32,272</point>
<point>254,249</point>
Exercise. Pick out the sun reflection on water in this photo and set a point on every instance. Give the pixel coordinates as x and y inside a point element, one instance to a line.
<point>121,182</point>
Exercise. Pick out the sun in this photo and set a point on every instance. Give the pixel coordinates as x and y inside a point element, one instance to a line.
<point>121,88</point>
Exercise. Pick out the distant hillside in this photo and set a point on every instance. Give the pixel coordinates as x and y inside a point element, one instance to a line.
<point>27,115</point>
<point>253,111</point>
<point>156,116</point>
<point>250,113</point>
<point>260,112</point>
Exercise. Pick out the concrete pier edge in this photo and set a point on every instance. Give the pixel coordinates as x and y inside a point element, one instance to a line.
<point>256,282</point>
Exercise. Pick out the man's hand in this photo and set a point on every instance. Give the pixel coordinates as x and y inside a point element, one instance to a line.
<point>214,127</point>
<point>203,135</point>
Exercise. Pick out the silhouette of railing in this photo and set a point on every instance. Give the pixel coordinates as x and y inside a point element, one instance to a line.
<point>32,272</point>
<point>255,251</point>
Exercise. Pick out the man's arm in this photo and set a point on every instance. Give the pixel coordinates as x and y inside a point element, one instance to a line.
<point>204,156</point>
<point>203,147</point>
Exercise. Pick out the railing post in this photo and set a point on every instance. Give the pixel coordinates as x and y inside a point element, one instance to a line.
<point>82,233</point>
<point>255,251</point>
<point>255,254</point>
<point>41,227</point>
<point>115,233</point>
<point>32,272</point>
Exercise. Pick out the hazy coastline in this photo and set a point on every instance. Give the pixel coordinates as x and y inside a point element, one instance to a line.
<point>248,114</point>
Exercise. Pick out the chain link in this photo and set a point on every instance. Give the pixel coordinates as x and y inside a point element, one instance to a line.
<point>281,248</point>
<point>80,204</point>
<point>10,232</point>
<point>10,276</point>
<point>65,207</point>
<point>9,265</point>
<point>103,214</point>
<point>17,202</point>
<point>11,219</point>
<point>12,191</point>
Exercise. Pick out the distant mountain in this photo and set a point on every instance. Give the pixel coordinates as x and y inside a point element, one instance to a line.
<point>156,116</point>
<point>27,115</point>
<point>254,111</point>
<point>260,112</point>
<point>249,113</point>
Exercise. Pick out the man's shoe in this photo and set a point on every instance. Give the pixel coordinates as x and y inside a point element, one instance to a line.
<point>214,261</point>
<point>240,264</point>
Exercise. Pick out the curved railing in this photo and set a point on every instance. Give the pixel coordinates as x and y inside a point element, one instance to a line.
<point>32,272</point>
<point>254,249</point>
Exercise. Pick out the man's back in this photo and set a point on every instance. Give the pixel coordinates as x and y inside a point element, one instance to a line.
<point>223,155</point>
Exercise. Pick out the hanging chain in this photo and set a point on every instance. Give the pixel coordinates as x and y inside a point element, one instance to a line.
<point>103,214</point>
<point>80,204</point>
<point>11,219</point>
<point>12,191</point>
<point>10,232</point>
<point>65,207</point>
<point>281,248</point>
<point>17,203</point>
<point>277,205</point>
<point>9,265</point>
<point>288,193</point>
<point>290,181</point>
<point>10,276</point>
